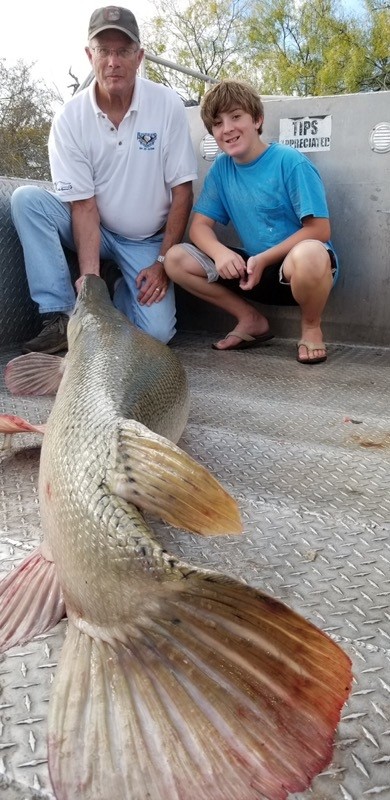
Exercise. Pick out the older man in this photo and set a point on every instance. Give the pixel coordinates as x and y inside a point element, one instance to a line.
<point>122,166</point>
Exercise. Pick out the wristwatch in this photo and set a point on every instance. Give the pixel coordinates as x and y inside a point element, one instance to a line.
<point>161,259</point>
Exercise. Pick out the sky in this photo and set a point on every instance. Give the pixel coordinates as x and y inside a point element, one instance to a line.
<point>53,34</point>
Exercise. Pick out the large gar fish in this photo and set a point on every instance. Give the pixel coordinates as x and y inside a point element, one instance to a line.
<point>174,683</point>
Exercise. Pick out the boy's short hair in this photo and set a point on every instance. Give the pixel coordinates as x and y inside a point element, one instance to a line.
<point>227,95</point>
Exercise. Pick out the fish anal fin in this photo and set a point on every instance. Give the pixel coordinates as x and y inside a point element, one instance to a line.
<point>154,474</point>
<point>34,374</point>
<point>31,601</point>
<point>223,694</point>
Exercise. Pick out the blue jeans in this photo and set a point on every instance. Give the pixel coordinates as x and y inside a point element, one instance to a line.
<point>44,225</point>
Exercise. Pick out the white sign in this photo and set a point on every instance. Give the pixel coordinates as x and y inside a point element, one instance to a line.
<point>306,133</point>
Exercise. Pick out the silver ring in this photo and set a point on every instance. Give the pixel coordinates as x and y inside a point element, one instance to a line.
<point>157,290</point>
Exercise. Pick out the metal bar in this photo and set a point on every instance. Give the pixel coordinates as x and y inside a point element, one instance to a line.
<point>186,70</point>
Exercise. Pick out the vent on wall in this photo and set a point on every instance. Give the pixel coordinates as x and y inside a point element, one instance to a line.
<point>208,147</point>
<point>380,138</point>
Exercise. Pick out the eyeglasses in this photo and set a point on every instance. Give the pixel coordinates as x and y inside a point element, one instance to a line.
<point>121,52</point>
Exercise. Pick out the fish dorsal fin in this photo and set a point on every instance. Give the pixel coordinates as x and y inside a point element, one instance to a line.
<point>159,477</point>
<point>34,374</point>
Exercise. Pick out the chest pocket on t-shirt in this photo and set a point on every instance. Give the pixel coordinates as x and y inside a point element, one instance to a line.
<point>270,215</point>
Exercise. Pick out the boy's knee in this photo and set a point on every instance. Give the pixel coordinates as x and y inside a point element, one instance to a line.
<point>174,260</point>
<point>309,261</point>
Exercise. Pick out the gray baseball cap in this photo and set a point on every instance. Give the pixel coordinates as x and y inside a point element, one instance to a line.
<point>114,17</point>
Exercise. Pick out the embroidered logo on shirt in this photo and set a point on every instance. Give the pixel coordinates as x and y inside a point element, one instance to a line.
<point>60,186</point>
<point>146,140</point>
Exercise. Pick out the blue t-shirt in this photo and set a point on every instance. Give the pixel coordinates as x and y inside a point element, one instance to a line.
<point>266,199</point>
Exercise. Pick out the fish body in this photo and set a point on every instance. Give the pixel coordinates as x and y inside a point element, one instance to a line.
<point>173,683</point>
<point>114,373</point>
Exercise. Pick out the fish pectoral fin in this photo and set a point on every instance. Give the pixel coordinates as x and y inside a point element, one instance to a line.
<point>222,692</point>
<point>34,374</point>
<point>31,601</point>
<point>157,476</point>
<point>10,424</point>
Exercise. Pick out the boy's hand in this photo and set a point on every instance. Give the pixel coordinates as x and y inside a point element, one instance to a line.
<point>230,265</point>
<point>254,271</point>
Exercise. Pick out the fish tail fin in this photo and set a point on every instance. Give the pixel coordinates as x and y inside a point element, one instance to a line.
<point>34,374</point>
<point>221,693</point>
<point>154,474</point>
<point>31,601</point>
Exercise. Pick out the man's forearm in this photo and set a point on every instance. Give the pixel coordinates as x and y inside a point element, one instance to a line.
<point>179,212</point>
<point>86,233</point>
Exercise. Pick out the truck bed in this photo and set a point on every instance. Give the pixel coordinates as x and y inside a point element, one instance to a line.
<point>305,451</point>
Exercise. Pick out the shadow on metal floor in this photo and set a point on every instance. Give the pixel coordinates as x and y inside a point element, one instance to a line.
<point>305,450</point>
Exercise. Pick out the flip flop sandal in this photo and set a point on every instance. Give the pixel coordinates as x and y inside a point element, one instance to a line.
<point>311,347</point>
<point>245,340</point>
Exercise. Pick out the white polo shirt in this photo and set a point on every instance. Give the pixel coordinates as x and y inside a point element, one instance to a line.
<point>131,169</point>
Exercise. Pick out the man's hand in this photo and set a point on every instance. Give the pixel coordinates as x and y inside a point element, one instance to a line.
<point>152,283</point>
<point>79,281</point>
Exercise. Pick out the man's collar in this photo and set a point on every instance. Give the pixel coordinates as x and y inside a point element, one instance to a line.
<point>134,105</point>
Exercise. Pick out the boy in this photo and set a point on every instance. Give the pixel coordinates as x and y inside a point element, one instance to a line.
<point>276,201</point>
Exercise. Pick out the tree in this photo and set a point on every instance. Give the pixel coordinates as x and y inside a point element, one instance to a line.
<point>377,76</point>
<point>26,110</point>
<point>206,36</point>
<point>314,48</point>
<point>310,47</point>
<point>306,48</point>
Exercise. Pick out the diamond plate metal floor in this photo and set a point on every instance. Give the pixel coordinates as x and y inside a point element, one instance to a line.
<point>306,452</point>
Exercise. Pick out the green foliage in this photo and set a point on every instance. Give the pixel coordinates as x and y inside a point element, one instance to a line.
<point>26,110</point>
<point>377,76</point>
<point>309,47</point>
<point>314,48</point>
<point>206,37</point>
